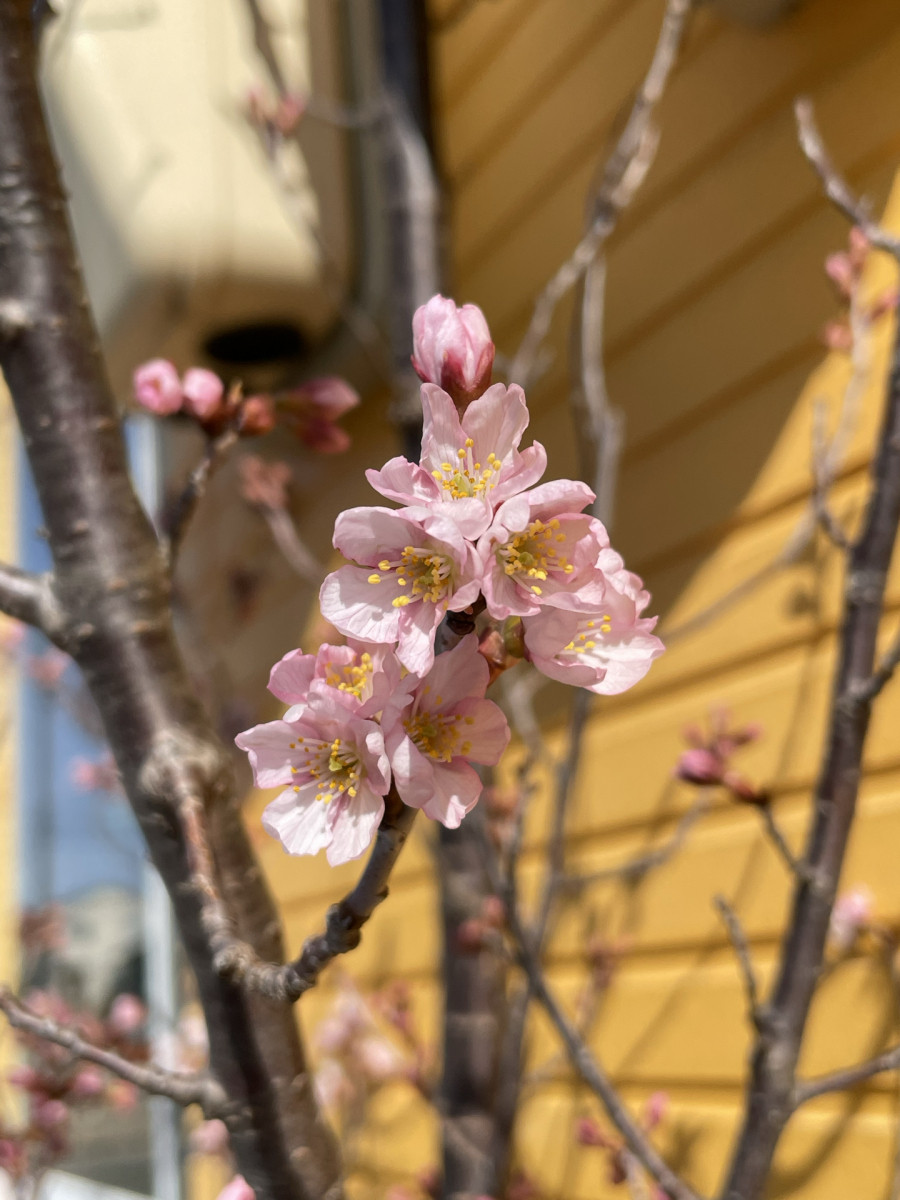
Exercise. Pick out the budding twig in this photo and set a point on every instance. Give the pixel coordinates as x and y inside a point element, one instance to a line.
<point>835,185</point>
<point>178,519</point>
<point>848,1077</point>
<point>183,1088</point>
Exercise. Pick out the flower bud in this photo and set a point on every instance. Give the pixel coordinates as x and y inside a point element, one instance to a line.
<point>852,912</point>
<point>452,347</point>
<point>699,765</point>
<point>88,1083</point>
<point>257,416</point>
<point>203,391</point>
<point>237,1189</point>
<point>127,1014</point>
<point>157,387</point>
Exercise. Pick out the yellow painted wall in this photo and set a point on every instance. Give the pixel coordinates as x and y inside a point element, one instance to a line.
<point>715,304</point>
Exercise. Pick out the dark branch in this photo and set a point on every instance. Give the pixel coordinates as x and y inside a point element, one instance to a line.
<point>836,188</point>
<point>235,959</point>
<point>849,1077</point>
<point>30,598</point>
<point>182,1088</point>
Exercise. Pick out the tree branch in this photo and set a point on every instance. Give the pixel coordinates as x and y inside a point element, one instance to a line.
<point>836,188</point>
<point>28,597</point>
<point>177,520</point>
<point>184,1089</point>
<point>286,982</point>
<point>848,1077</point>
<point>742,950</point>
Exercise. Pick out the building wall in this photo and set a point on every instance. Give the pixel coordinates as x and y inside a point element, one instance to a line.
<point>716,300</point>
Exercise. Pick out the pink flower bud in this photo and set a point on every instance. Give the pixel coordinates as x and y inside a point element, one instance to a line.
<point>452,347</point>
<point>656,1108</point>
<point>50,1114</point>
<point>470,936</point>
<point>378,1059</point>
<point>837,335</point>
<point>88,1083</point>
<point>699,765</point>
<point>257,416</point>
<point>329,397</point>
<point>237,1189</point>
<point>493,912</point>
<point>122,1095</point>
<point>841,271</point>
<point>127,1014</point>
<point>852,912</point>
<point>203,391</point>
<point>24,1077</point>
<point>157,387</point>
<point>210,1138</point>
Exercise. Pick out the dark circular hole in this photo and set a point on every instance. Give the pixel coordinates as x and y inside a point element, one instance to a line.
<point>263,342</point>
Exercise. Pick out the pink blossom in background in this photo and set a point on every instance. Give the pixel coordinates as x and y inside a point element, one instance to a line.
<point>12,635</point>
<point>122,1095</point>
<point>89,1082</point>
<point>289,113</point>
<point>362,676</point>
<point>655,1109</point>
<point>264,483</point>
<point>127,1014</point>
<point>49,1114</point>
<point>332,1084</point>
<point>157,387</point>
<point>237,1189</point>
<point>379,1059</point>
<point>337,772</point>
<point>452,348</point>
<point>436,726</point>
<point>468,465</point>
<point>203,393</point>
<point>48,669</point>
<point>541,549</point>
<point>606,652</point>
<point>210,1137</point>
<point>100,775</point>
<point>851,914</point>
<point>707,762</point>
<point>415,567</point>
<point>348,1017</point>
<point>257,416</point>
<point>313,409</point>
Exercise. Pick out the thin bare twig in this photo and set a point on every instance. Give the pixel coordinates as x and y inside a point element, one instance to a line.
<point>836,188</point>
<point>183,1088</point>
<point>742,950</point>
<point>287,537</point>
<point>848,1077</point>
<point>634,869</point>
<point>624,171</point>
<point>779,841</point>
<point>236,959</point>
<point>176,522</point>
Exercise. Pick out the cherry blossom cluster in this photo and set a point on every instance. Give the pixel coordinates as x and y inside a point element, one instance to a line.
<point>477,533</point>
<point>311,410</point>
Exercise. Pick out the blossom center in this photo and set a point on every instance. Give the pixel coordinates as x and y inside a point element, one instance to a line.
<point>422,573</point>
<point>584,640</point>
<point>534,553</point>
<point>466,477</point>
<point>438,735</point>
<point>352,677</point>
<point>333,766</point>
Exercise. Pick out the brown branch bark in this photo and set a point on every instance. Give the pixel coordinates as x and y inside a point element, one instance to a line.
<point>112,589</point>
<point>183,1088</point>
<point>770,1090</point>
<point>29,598</point>
<point>179,517</point>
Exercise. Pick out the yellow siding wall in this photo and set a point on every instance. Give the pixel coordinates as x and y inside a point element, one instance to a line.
<point>716,300</point>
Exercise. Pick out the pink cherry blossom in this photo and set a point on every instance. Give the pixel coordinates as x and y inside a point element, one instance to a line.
<point>452,347</point>
<point>313,409</point>
<point>362,676</point>
<point>541,549</point>
<point>157,387</point>
<point>469,465</point>
<point>333,1085</point>
<point>237,1189</point>
<point>434,727</point>
<point>127,1014</point>
<point>852,912</point>
<point>415,567</point>
<point>203,391</point>
<point>606,652</point>
<point>338,774</point>
<point>379,1059</point>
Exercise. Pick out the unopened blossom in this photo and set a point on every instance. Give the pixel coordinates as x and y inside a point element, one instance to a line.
<point>851,914</point>
<point>257,416</point>
<point>203,393</point>
<point>50,1114</point>
<point>313,409</point>
<point>237,1189</point>
<point>362,675</point>
<point>707,762</point>
<point>97,775</point>
<point>89,1082</point>
<point>122,1095</point>
<point>468,465</point>
<point>541,549</point>
<point>435,727</point>
<point>606,652</point>
<point>416,566</point>
<point>452,348</point>
<point>655,1110</point>
<point>127,1014</point>
<point>336,772</point>
<point>210,1137</point>
<point>157,387</point>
